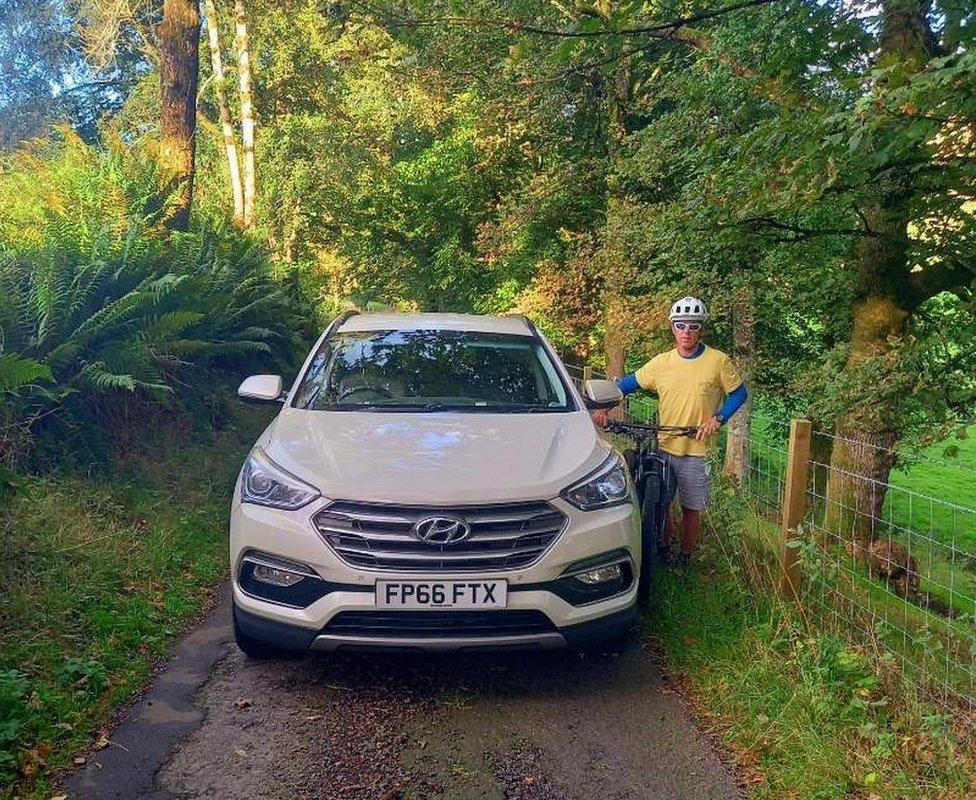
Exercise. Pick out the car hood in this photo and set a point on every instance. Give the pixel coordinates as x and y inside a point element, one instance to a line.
<point>435,458</point>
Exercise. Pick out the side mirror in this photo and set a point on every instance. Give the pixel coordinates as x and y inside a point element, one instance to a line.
<point>261,387</point>
<point>602,394</point>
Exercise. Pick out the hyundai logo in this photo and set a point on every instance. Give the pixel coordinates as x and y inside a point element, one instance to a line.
<point>441,530</point>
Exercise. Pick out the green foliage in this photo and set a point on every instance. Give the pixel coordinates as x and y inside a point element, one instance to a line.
<point>16,372</point>
<point>924,385</point>
<point>98,304</point>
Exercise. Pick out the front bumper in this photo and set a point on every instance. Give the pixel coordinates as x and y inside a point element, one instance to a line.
<point>580,636</point>
<point>344,615</point>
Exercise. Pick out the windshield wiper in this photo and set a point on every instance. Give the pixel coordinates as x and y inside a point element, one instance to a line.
<point>526,409</point>
<point>414,407</point>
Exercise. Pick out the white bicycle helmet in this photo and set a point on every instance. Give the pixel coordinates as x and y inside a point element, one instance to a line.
<point>688,309</point>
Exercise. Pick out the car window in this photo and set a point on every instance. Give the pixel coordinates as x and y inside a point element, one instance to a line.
<point>431,370</point>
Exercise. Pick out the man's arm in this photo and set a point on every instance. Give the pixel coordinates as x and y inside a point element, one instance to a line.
<point>628,383</point>
<point>733,402</point>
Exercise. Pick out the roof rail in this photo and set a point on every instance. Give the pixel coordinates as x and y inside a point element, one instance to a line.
<point>334,325</point>
<point>529,323</point>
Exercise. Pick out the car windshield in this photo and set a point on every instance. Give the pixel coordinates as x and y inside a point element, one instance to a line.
<point>432,370</point>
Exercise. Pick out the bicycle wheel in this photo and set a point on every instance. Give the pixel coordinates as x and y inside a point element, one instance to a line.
<point>651,533</point>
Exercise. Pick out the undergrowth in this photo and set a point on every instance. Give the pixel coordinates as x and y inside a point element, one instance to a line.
<point>98,577</point>
<point>807,714</point>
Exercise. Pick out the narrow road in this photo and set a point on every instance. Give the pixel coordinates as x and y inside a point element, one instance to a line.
<point>553,726</point>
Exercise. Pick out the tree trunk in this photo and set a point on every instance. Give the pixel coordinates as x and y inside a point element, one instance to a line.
<point>613,349</point>
<point>744,354</point>
<point>179,36</point>
<point>616,339</point>
<point>226,125</point>
<point>863,453</point>
<point>247,110</point>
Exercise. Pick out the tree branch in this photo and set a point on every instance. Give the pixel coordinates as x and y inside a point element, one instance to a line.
<point>929,282</point>
<point>80,87</point>
<point>518,26</point>
<point>758,224</point>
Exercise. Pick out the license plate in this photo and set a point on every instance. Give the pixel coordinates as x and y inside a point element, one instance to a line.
<point>442,594</point>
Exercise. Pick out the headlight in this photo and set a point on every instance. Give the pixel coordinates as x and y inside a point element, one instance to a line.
<point>264,483</point>
<point>608,487</point>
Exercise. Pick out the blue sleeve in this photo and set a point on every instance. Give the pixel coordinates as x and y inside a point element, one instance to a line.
<point>628,384</point>
<point>732,403</point>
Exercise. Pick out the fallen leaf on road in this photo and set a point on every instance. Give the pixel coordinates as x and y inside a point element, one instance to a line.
<point>60,797</point>
<point>240,753</point>
<point>80,760</point>
<point>101,742</point>
<point>243,702</point>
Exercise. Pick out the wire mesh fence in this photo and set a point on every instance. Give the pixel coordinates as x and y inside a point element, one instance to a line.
<point>883,565</point>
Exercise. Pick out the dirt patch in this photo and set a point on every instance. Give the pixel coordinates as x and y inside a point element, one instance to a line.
<point>303,728</point>
<point>523,727</point>
<point>526,726</point>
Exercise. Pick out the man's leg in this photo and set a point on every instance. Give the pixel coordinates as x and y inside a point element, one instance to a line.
<point>694,489</point>
<point>691,527</point>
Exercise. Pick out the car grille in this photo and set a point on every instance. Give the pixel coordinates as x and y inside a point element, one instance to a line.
<point>437,624</point>
<point>381,537</point>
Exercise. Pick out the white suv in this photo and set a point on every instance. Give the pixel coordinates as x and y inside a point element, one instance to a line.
<point>432,482</point>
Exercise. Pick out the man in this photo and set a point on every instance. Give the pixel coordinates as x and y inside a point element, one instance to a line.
<point>690,382</point>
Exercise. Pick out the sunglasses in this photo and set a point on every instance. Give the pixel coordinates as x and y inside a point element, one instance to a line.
<point>687,326</point>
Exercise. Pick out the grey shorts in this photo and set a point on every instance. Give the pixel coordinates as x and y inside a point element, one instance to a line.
<point>694,479</point>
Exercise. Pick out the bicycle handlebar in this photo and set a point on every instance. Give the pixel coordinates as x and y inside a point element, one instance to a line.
<point>648,428</point>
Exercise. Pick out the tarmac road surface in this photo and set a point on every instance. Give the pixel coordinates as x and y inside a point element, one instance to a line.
<point>539,726</point>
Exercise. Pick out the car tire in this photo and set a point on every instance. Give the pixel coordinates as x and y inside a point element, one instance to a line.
<point>251,647</point>
<point>650,542</point>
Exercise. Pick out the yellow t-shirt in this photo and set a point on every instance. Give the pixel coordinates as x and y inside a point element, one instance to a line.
<point>690,391</point>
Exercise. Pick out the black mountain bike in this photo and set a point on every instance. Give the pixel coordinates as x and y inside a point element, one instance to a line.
<point>655,484</point>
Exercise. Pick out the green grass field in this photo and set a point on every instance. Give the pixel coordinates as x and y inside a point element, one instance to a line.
<point>98,578</point>
<point>931,494</point>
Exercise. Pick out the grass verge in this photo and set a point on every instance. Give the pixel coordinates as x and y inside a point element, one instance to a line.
<point>98,577</point>
<point>808,714</point>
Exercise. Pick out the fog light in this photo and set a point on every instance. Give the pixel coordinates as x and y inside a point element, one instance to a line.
<point>275,576</point>
<point>599,575</point>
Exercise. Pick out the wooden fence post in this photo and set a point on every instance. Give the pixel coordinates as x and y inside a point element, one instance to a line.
<point>587,375</point>
<point>794,501</point>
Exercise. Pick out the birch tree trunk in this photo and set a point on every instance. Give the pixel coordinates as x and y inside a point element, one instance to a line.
<point>744,354</point>
<point>179,37</point>
<point>226,125</point>
<point>615,338</point>
<point>247,111</point>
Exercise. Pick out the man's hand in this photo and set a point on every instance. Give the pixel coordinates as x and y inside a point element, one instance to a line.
<point>600,417</point>
<point>708,429</point>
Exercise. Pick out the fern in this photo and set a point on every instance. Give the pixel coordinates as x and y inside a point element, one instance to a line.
<point>16,372</point>
<point>95,302</point>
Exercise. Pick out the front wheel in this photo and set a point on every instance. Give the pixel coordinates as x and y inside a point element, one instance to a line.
<point>650,542</point>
